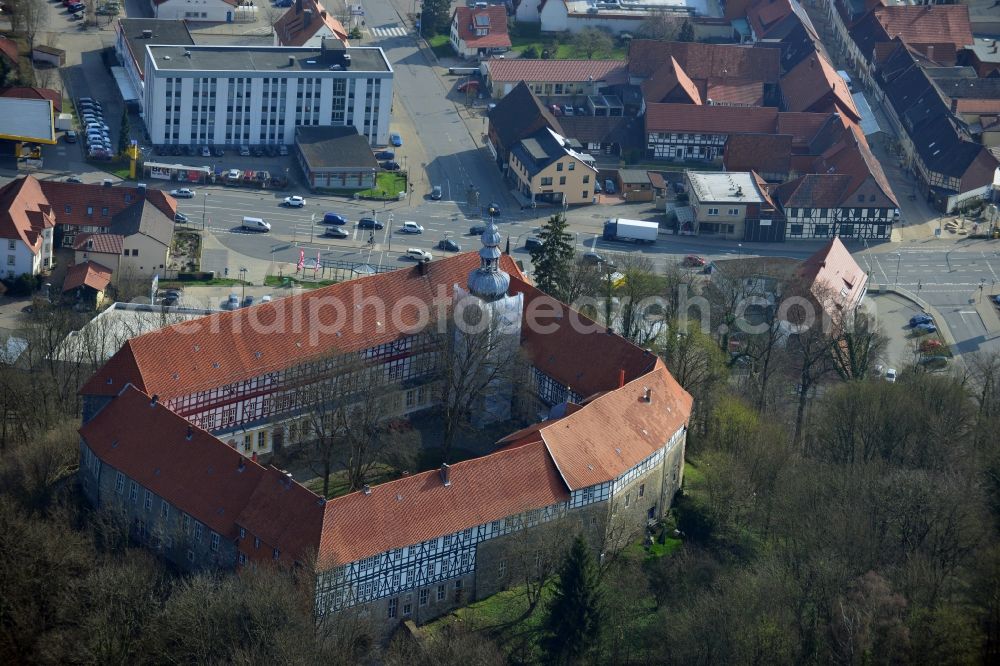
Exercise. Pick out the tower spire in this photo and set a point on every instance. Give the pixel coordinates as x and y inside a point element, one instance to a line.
<point>488,282</point>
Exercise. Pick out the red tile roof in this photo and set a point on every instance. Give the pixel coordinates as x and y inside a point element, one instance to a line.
<point>579,443</point>
<point>813,79</point>
<point>466,19</point>
<point>670,78</point>
<point>70,202</point>
<point>801,126</point>
<point>566,71</point>
<point>25,212</point>
<point>292,31</point>
<point>201,476</point>
<point>976,106</point>
<point>420,507</point>
<point>100,243</point>
<point>35,93</point>
<point>705,61</point>
<point>709,119</point>
<point>931,24</point>
<point>90,274</point>
<point>729,91</point>
<point>763,16</point>
<point>766,153</point>
<point>834,278</point>
<point>8,47</point>
<point>284,515</point>
<point>232,346</point>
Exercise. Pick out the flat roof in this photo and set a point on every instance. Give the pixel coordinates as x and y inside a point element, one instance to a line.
<point>281,59</point>
<point>27,120</point>
<point>334,148</point>
<point>164,32</point>
<point>986,49</point>
<point>724,186</point>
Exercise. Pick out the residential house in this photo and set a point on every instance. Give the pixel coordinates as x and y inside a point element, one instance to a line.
<point>731,205</point>
<point>479,32</point>
<point>104,249</point>
<point>308,23</point>
<point>835,280</point>
<point>411,549</point>
<point>558,79</point>
<point>133,34</point>
<point>213,11</point>
<point>606,135</point>
<point>27,221</point>
<point>950,166</point>
<point>91,209</point>
<point>146,234</point>
<point>938,32</point>
<point>723,74</point>
<point>815,86</point>
<point>690,132</point>
<point>517,115</point>
<point>87,283</point>
<point>547,168</point>
<point>982,56</point>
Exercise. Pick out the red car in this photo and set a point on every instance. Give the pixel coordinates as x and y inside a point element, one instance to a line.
<point>469,86</point>
<point>694,260</point>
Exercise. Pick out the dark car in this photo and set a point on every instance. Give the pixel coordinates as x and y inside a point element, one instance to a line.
<point>369,223</point>
<point>385,155</point>
<point>494,209</point>
<point>248,301</point>
<point>477,230</point>
<point>219,151</point>
<point>69,136</point>
<point>694,260</point>
<point>449,245</point>
<point>180,217</point>
<point>333,218</point>
<point>335,232</point>
<point>532,242</point>
<point>917,320</point>
<point>169,300</point>
<point>390,166</point>
<point>258,151</point>
<point>75,7</point>
<point>925,328</point>
<point>593,258</point>
<point>73,179</point>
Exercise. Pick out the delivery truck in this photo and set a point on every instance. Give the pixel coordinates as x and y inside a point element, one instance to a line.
<point>630,231</point>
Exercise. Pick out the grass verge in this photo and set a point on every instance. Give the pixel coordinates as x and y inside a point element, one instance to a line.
<point>441,46</point>
<point>388,185</point>
<point>276,281</point>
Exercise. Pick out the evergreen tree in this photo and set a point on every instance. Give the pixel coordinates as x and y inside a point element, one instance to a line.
<point>554,258</point>
<point>124,133</point>
<point>687,32</point>
<point>435,17</point>
<point>574,621</point>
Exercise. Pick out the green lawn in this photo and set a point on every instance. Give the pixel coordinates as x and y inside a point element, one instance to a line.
<point>338,481</point>
<point>441,46</point>
<point>388,185</point>
<point>560,46</point>
<point>278,281</point>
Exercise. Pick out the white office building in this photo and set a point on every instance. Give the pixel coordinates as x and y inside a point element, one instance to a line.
<point>240,95</point>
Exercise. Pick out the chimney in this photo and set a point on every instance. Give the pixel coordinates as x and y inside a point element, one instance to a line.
<point>930,52</point>
<point>146,34</point>
<point>243,464</point>
<point>307,17</point>
<point>445,474</point>
<point>155,399</point>
<point>298,6</point>
<point>322,13</point>
<point>141,189</point>
<point>647,394</point>
<point>621,378</point>
<point>366,489</point>
<point>291,61</point>
<point>422,266</point>
<point>190,433</point>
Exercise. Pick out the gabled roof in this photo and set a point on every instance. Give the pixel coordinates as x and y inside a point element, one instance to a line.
<point>803,126</point>
<point>927,24</point>
<point>670,79</point>
<point>814,190</point>
<point>241,344</point>
<point>519,114</point>
<point>292,29</point>
<point>704,61</point>
<point>24,212</point>
<point>71,201</point>
<point>283,514</point>
<point>578,442</point>
<point>729,91</point>
<point>493,19</point>
<point>420,507</point>
<point>766,153</point>
<point>143,218</point>
<point>566,71</point>
<point>99,243</point>
<point>709,119</point>
<point>8,48</point>
<point>23,92</point>
<point>88,274</point>
<point>626,131</point>
<point>834,277</point>
<point>810,81</point>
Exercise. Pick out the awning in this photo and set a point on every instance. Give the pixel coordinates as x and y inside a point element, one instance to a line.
<point>869,125</point>
<point>128,92</point>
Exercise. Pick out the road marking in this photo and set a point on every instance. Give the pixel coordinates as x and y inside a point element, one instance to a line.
<point>389,31</point>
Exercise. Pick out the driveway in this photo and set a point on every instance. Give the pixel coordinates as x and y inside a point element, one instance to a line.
<point>893,314</point>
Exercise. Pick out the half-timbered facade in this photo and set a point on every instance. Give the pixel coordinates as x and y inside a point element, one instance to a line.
<point>177,414</point>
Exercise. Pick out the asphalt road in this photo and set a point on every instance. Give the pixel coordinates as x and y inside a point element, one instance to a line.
<point>949,278</point>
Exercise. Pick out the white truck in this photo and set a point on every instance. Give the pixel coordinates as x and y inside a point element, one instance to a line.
<point>630,231</point>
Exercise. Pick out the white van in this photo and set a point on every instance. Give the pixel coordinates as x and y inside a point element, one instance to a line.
<point>255,224</point>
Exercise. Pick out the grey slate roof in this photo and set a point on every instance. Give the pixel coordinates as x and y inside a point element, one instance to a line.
<point>334,148</point>
<point>519,114</point>
<point>142,217</point>
<point>538,151</point>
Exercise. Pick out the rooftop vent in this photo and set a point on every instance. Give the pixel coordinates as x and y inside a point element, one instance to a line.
<point>190,434</point>
<point>146,34</point>
<point>647,394</point>
<point>366,489</point>
<point>347,60</point>
<point>187,54</point>
<point>242,465</point>
<point>307,16</point>
<point>154,400</point>
<point>166,57</point>
<point>446,474</point>
<point>291,61</point>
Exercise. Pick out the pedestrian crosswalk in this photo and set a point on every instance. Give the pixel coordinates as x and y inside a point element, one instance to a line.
<point>389,31</point>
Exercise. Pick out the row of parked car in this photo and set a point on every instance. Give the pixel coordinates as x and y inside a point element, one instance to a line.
<point>95,131</point>
<point>178,150</point>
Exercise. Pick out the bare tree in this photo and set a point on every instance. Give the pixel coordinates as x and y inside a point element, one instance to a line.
<point>481,363</point>
<point>536,551</point>
<point>857,346</point>
<point>661,25</point>
<point>32,17</point>
<point>642,313</point>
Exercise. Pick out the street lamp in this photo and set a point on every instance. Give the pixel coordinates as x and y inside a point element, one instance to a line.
<point>739,250</point>
<point>243,279</point>
<point>203,202</point>
<point>899,258</point>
